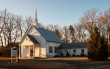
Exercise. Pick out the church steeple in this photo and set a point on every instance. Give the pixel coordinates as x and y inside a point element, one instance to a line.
<point>35,19</point>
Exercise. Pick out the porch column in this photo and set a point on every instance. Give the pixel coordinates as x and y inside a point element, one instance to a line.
<point>19,51</point>
<point>33,50</point>
<point>29,51</point>
<point>39,50</point>
<point>23,51</point>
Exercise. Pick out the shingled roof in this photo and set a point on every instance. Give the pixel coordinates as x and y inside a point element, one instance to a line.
<point>32,39</point>
<point>73,45</point>
<point>48,35</point>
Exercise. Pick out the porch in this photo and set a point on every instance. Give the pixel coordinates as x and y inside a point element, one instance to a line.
<point>29,51</point>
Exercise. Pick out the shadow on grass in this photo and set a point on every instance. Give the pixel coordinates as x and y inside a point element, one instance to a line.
<point>56,64</point>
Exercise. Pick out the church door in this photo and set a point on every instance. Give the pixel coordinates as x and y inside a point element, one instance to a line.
<point>31,53</point>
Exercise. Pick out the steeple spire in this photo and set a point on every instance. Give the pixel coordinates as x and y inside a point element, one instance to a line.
<point>35,19</point>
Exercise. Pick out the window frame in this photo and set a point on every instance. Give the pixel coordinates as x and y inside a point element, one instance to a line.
<point>82,51</point>
<point>50,49</point>
<point>55,50</point>
<point>74,51</point>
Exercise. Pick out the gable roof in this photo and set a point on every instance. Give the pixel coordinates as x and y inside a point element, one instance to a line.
<point>27,31</point>
<point>48,35</point>
<point>73,45</point>
<point>33,39</point>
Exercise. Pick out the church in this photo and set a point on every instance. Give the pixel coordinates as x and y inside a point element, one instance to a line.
<point>43,43</point>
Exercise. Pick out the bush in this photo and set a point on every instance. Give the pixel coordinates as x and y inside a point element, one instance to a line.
<point>0,53</point>
<point>82,54</point>
<point>73,55</point>
<point>56,56</point>
<point>61,54</point>
<point>67,54</point>
<point>18,60</point>
<point>78,55</point>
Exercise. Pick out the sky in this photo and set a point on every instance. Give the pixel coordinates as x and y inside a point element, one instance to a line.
<point>61,12</point>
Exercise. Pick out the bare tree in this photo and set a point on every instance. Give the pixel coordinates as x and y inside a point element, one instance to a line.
<point>89,19</point>
<point>107,22</point>
<point>52,27</point>
<point>28,23</point>
<point>66,34</point>
<point>11,27</point>
<point>1,29</point>
<point>4,21</point>
<point>20,27</point>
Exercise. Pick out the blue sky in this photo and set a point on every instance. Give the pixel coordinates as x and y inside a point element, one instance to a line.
<point>61,12</point>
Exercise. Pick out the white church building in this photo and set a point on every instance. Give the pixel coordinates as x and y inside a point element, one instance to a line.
<point>43,43</point>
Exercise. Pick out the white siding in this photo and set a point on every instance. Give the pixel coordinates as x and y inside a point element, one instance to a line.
<point>52,44</point>
<point>42,48</point>
<point>26,42</point>
<point>39,51</point>
<point>70,51</point>
<point>42,42</point>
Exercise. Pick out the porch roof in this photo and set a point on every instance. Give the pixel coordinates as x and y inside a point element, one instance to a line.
<point>33,39</point>
<point>73,45</point>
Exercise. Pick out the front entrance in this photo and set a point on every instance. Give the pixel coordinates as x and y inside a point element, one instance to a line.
<point>31,52</point>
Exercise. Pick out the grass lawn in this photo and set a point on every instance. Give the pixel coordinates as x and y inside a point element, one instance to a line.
<point>55,63</point>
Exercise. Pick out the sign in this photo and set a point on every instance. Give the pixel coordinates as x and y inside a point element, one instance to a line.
<point>14,53</point>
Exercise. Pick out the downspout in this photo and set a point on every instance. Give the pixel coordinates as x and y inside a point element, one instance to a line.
<point>46,50</point>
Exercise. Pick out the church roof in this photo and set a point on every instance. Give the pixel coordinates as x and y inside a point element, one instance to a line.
<point>32,39</point>
<point>48,35</point>
<point>73,45</point>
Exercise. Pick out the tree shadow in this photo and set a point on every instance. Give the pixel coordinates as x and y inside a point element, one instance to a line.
<point>55,64</point>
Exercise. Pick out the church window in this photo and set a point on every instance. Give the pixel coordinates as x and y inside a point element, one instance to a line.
<point>50,49</point>
<point>74,51</point>
<point>56,50</point>
<point>82,51</point>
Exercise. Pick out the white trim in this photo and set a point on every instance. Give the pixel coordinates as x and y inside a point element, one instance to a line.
<point>19,52</point>
<point>39,50</point>
<point>23,51</point>
<point>29,51</point>
<point>33,50</point>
